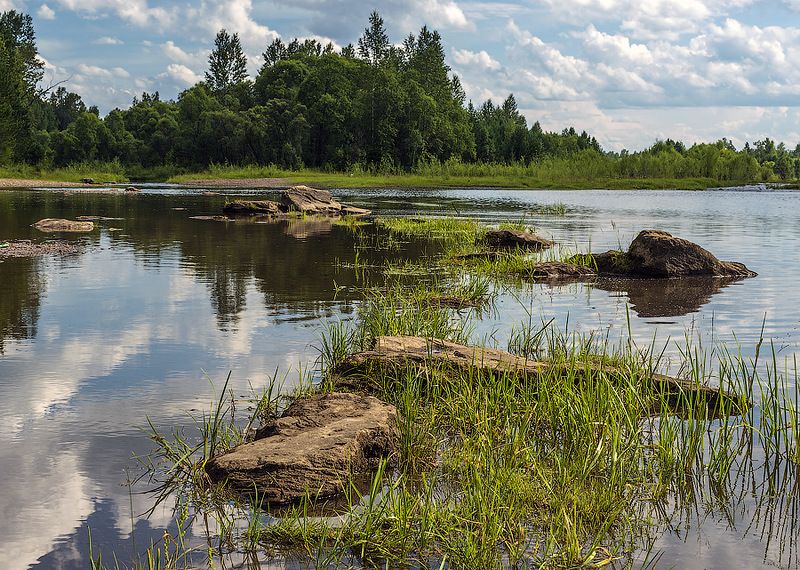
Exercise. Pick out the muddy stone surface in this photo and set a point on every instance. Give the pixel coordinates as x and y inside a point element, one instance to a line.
<point>315,447</point>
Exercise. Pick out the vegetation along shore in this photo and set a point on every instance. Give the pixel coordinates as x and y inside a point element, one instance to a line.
<point>371,114</point>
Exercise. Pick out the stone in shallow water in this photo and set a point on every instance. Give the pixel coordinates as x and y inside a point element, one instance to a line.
<point>58,225</point>
<point>314,447</point>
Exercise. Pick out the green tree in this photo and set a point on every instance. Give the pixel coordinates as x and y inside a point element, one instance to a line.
<point>16,30</point>
<point>13,114</point>
<point>227,64</point>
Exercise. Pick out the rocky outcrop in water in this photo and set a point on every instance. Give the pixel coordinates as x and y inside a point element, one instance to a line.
<point>298,199</point>
<point>58,225</point>
<point>315,447</point>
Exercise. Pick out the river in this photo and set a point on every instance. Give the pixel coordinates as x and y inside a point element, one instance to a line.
<point>160,307</point>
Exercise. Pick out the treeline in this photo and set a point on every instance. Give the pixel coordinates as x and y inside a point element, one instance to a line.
<point>373,105</point>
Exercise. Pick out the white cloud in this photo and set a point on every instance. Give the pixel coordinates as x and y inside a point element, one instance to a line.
<point>136,12</point>
<point>181,75</point>
<point>107,41</point>
<point>480,60</point>
<point>45,12</point>
<point>178,55</point>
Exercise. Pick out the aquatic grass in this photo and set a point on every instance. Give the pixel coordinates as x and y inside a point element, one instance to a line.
<point>573,466</point>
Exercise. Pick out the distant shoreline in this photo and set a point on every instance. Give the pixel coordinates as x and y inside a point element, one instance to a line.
<point>27,183</point>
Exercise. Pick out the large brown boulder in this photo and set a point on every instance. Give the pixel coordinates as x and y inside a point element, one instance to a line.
<point>58,225</point>
<point>657,253</point>
<point>315,447</point>
<point>516,239</point>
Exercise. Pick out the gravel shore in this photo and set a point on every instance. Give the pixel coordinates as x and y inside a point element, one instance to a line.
<point>24,183</point>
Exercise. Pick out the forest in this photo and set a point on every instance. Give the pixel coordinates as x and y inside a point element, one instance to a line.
<point>374,106</point>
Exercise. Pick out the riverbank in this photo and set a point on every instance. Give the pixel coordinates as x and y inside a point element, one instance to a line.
<point>249,178</point>
<point>29,183</point>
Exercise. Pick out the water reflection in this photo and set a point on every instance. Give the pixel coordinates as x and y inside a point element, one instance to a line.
<point>666,297</point>
<point>23,286</point>
<point>95,344</point>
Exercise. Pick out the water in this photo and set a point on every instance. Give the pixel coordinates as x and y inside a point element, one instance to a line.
<point>131,330</point>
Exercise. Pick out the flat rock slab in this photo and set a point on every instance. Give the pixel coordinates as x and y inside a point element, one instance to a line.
<point>516,239</point>
<point>58,225</point>
<point>315,447</point>
<point>400,352</point>
<point>252,208</point>
<point>314,201</point>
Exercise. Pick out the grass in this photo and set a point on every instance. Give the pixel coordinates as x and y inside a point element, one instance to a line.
<point>100,172</point>
<point>567,468</point>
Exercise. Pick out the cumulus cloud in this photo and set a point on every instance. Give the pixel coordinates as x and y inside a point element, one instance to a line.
<point>180,75</point>
<point>136,12</point>
<point>178,55</point>
<point>45,12</point>
<point>480,60</point>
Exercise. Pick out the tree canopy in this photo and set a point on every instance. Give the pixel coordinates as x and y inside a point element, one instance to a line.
<point>378,105</point>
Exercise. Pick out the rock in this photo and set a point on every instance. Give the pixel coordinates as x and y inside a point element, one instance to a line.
<point>552,270</point>
<point>316,446</point>
<point>513,239</point>
<point>401,352</point>
<point>656,253</point>
<point>57,225</point>
<point>131,189</point>
<point>309,200</point>
<point>314,201</point>
<point>296,200</point>
<point>87,180</point>
<point>252,208</point>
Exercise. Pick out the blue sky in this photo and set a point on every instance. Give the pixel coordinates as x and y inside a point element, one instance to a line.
<point>628,72</point>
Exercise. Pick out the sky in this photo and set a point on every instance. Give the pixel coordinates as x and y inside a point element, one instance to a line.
<point>629,72</point>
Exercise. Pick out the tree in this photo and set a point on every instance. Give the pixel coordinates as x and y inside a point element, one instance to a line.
<point>16,30</point>
<point>227,64</point>
<point>373,45</point>
<point>13,116</point>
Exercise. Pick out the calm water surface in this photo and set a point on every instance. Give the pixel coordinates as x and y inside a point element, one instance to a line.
<point>93,345</point>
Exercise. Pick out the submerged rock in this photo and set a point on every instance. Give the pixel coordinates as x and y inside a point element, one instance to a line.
<point>401,352</point>
<point>657,253</point>
<point>315,447</point>
<point>58,225</point>
<point>513,239</point>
